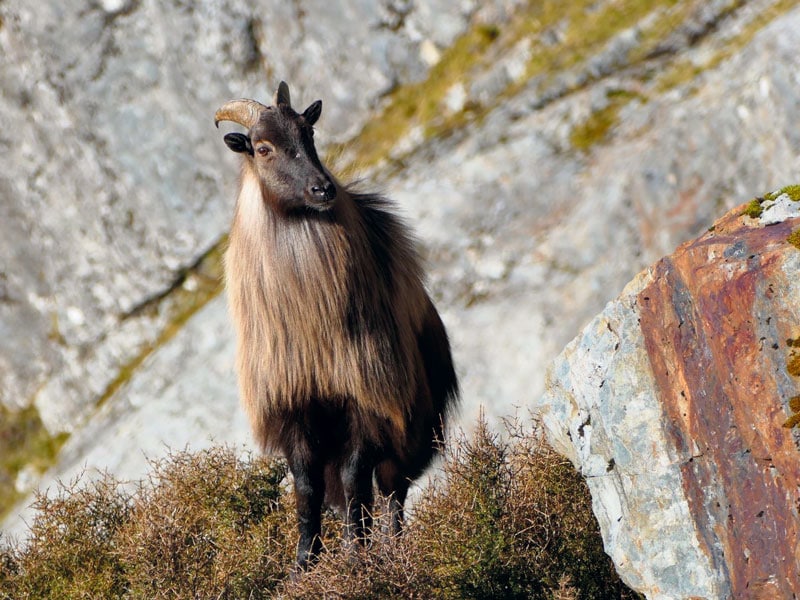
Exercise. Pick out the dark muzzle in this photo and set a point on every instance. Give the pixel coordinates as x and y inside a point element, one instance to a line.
<point>323,191</point>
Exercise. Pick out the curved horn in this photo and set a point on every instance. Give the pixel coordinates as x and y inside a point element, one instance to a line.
<point>244,112</point>
<point>282,95</point>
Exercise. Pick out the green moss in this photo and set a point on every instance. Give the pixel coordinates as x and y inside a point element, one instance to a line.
<point>586,27</point>
<point>760,19</point>
<point>592,29</point>
<point>794,238</point>
<point>793,367</point>
<point>24,441</point>
<point>793,191</point>
<point>678,73</point>
<point>582,28</point>
<point>595,129</point>
<point>598,126</point>
<point>419,104</point>
<point>754,209</point>
<point>124,374</point>
<point>668,17</point>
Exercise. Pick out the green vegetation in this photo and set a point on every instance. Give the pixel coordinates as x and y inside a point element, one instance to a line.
<point>597,127</point>
<point>586,27</point>
<point>760,19</point>
<point>418,103</point>
<point>793,191</point>
<point>753,209</point>
<point>24,441</point>
<point>679,72</point>
<point>591,25</point>
<point>794,238</point>
<point>505,518</point>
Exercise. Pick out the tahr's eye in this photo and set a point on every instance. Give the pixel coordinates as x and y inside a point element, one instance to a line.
<point>264,150</point>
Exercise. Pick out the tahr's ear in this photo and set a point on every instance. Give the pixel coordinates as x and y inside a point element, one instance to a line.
<point>313,112</point>
<point>238,142</point>
<point>281,96</point>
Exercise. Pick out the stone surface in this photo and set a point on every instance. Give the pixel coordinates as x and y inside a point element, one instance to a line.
<point>779,209</point>
<point>672,402</point>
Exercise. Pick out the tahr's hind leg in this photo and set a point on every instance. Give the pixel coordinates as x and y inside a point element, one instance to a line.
<point>393,485</point>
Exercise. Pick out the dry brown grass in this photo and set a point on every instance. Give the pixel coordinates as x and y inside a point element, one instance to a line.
<point>504,518</point>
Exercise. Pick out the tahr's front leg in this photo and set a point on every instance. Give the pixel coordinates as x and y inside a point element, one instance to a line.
<point>309,491</point>
<point>357,484</point>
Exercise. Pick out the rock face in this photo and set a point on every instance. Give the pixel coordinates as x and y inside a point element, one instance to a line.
<point>672,402</point>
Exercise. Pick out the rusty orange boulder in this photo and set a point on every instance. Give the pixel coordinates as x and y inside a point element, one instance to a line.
<point>679,403</point>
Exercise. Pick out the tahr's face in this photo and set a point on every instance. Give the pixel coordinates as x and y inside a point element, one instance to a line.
<point>281,148</point>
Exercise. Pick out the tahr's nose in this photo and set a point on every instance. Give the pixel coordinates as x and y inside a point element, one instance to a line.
<point>324,191</point>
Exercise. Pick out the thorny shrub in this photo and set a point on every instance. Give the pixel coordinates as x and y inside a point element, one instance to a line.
<point>503,517</point>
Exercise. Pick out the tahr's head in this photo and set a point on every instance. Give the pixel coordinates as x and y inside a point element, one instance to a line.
<point>279,144</point>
